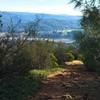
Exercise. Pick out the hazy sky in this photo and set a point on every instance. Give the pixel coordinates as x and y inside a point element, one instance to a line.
<point>39,6</point>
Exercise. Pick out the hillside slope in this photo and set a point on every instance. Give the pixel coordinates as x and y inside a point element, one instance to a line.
<point>48,22</point>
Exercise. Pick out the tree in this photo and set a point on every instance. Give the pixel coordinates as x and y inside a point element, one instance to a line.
<point>89,40</point>
<point>31,28</point>
<point>11,53</point>
<point>84,3</point>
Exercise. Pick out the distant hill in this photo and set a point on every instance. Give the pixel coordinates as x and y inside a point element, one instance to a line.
<point>49,22</point>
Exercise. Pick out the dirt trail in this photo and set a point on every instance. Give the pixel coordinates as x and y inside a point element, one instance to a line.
<point>74,83</point>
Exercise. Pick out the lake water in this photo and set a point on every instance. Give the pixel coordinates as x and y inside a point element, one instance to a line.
<point>64,40</point>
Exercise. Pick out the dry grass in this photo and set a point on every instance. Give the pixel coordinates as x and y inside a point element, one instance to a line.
<point>74,62</point>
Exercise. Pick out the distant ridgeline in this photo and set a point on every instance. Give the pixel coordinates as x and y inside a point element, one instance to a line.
<point>52,26</point>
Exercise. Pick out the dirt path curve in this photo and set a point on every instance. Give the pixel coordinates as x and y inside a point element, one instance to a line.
<point>74,83</point>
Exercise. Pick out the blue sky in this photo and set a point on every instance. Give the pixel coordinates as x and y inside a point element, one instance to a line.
<point>39,6</point>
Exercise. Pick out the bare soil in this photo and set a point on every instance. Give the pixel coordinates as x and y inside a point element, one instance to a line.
<point>74,83</point>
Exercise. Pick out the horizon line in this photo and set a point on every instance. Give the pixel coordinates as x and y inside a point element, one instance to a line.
<point>38,13</point>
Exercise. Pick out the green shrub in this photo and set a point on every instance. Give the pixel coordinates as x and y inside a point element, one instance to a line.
<point>89,47</point>
<point>11,60</point>
<point>69,57</point>
<point>88,40</point>
<point>40,55</point>
<point>90,50</point>
<point>59,53</point>
<point>19,88</point>
<point>80,57</point>
<point>53,60</point>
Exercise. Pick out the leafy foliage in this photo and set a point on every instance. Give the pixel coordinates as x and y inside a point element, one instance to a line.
<point>19,87</point>
<point>89,40</point>
<point>40,55</point>
<point>60,53</point>
<point>69,57</point>
<point>85,3</point>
